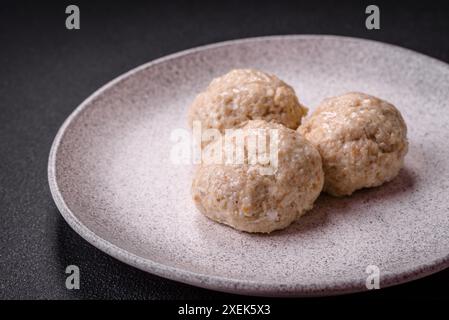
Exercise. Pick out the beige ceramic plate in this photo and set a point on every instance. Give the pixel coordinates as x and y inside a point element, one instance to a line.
<point>112,179</point>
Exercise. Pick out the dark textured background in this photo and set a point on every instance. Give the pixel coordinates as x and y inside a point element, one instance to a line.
<point>46,71</point>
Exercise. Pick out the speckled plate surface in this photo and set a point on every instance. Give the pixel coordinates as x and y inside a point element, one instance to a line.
<point>112,179</point>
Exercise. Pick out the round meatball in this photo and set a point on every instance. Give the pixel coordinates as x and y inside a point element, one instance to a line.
<point>362,141</point>
<point>250,198</point>
<point>246,94</point>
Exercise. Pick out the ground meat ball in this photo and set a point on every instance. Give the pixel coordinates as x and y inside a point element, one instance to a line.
<point>362,141</point>
<point>246,94</point>
<point>243,198</point>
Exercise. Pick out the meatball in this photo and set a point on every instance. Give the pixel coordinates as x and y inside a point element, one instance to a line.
<point>246,94</point>
<point>362,141</point>
<point>250,199</point>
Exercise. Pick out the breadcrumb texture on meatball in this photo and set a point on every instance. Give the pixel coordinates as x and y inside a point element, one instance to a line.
<point>246,94</point>
<point>243,198</point>
<point>362,141</point>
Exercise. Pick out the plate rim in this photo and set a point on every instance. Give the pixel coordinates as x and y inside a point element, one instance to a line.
<point>218,283</point>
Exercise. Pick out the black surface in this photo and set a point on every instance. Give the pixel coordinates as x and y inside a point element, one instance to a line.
<point>47,70</point>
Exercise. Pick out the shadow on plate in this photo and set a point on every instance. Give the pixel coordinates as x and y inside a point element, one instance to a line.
<point>327,205</point>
